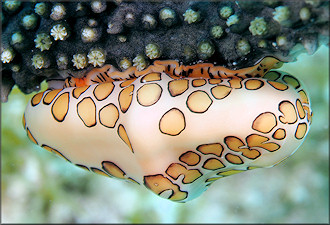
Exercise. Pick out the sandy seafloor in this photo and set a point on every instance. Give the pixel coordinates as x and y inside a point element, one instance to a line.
<point>38,187</point>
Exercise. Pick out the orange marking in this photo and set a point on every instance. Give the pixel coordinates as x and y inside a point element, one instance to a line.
<point>301,130</point>
<point>79,91</point>
<point>177,87</point>
<point>151,77</point>
<point>220,91</point>
<point>215,149</point>
<point>190,175</point>
<point>199,102</point>
<point>279,134</point>
<point>159,184</point>
<point>80,82</point>
<point>125,98</point>
<point>255,140</point>
<point>172,122</point>
<point>291,81</point>
<point>237,145</point>
<point>272,75</point>
<point>56,152</point>
<point>266,63</point>
<point>134,72</point>
<point>98,171</point>
<point>234,159</point>
<point>30,136</point>
<point>23,121</point>
<point>215,81</point>
<point>123,135</point>
<point>60,107</point>
<point>303,97</point>
<point>60,155</point>
<point>75,82</point>
<point>213,164</point>
<point>36,99</point>
<point>102,91</point>
<point>109,115</point>
<point>82,167</point>
<point>126,82</point>
<point>49,97</point>
<point>265,122</point>
<point>86,110</point>
<point>131,180</point>
<point>253,84</point>
<point>278,85</point>
<point>113,170</point>
<point>190,158</point>
<point>173,69</point>
<point>101,75</point>
<point>230,172</point>
<point>107,73</point>
<point>212,179</point>
<point>300,109</point>
<point>252,167</point>
<point>198,82</point>
<point>149,94</point>
<point>50,149</point>
<point>289,112</point>
<point>309,113</point>
<point>235,82</point>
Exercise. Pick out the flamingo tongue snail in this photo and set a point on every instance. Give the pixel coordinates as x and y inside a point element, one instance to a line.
<point>174,129</point>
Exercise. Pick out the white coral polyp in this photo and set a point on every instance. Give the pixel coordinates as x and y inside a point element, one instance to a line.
<point>38,61</point>
<point>191,16</point>
<point>58,12</point>
<point>79,61</point>
<point>58,32</point>
<point>98,6</point>
<point>88,34</point>
<point>96,58</point>
<point>43,41</point>
<point>7,56</point>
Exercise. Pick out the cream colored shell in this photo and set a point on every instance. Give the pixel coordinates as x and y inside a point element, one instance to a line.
<point>174,135</point>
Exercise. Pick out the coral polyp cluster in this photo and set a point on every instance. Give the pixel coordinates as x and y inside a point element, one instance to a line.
<point>225,12</point>
<point>98,6</point>
<point>140,62</point>
<point>96,57</point>
<point>29,21</point>
<point>125,63</point>
<point>258,26</point>
<point>43,41</point>
<point>7,55</point>
<point>233,19</point>
<point>89,34</point>
<point>167,16</point>
<point>62,61</point>
<point>58,12</point>
<point>79,61</point>
<point>191,16</point>
<point>152,51</point>
<point>11,6</point>
<point>40,8</point>
<point>205,49</point>
<point>59,32</point>
<point>281,14</point>
<point>125,30</point>
<point>38,61</point>
<point>216,31</point>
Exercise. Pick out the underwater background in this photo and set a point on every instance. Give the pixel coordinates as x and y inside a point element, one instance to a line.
<point>39,187</point>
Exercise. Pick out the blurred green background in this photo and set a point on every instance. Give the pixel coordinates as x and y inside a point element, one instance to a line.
<point>38,187</point>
